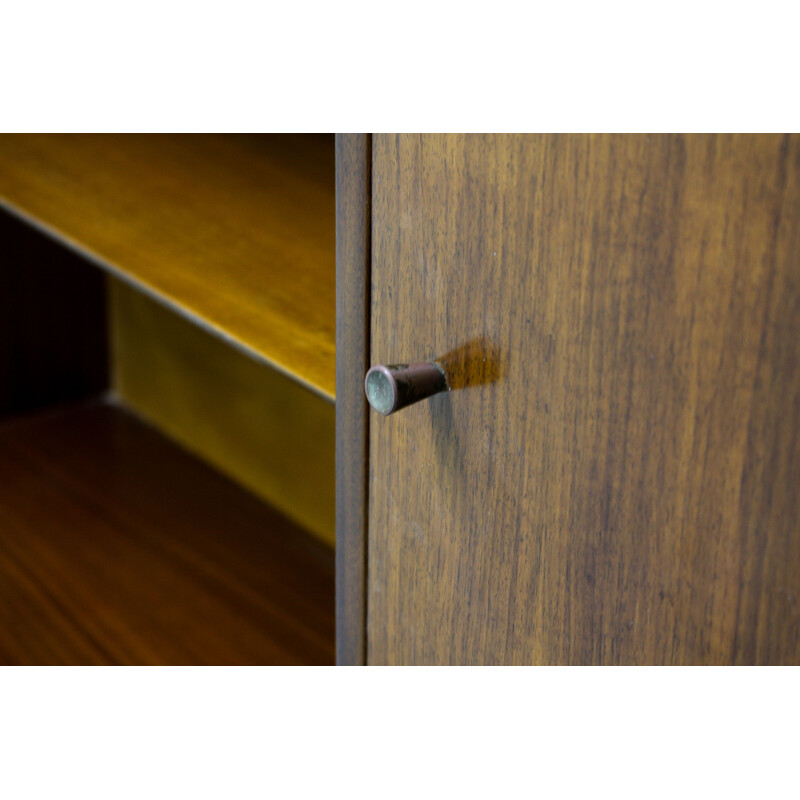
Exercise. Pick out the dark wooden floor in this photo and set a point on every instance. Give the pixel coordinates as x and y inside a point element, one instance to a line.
<point>117,547</point>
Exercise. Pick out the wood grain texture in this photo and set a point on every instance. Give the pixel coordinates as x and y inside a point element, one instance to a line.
<point>254,424</point>
<point>237,232</point>
<point>621,485</point>
<point>353,177</point>
<point>117,547</point>
<point>53,343</point>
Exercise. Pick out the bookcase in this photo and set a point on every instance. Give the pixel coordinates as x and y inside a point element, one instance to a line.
<point>167,373</point>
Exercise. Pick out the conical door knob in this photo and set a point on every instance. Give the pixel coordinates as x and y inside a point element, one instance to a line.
<point>390,388</point>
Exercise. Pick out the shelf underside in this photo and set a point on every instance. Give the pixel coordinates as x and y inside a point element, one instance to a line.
<point>117,547</point>
<point>235,231</point>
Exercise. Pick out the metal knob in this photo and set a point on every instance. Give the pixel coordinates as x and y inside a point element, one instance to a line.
<point>390,388</point>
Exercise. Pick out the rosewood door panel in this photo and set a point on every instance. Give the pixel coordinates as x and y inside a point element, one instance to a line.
<point>616,480</point>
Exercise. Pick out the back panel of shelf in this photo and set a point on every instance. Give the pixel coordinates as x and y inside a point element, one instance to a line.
<point>259,427</point>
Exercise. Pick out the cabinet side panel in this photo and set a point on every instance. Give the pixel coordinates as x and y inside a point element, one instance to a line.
<point>353,221</point>
<point>616,480</point>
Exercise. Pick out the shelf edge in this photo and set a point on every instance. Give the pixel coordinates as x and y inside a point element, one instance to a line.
<point>173,305</point>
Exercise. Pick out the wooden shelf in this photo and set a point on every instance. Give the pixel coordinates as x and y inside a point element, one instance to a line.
<point>235,231</point>
<point>119,547</point>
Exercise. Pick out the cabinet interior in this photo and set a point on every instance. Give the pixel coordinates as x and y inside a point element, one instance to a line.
<point>166,402</point>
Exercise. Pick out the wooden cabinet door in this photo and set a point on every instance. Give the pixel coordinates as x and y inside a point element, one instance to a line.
<point>615,479</point>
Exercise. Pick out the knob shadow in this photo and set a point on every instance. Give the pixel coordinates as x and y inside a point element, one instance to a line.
<point>478,362</point>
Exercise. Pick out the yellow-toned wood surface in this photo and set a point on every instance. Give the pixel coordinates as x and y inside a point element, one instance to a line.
<point>236,231</point>
<point>257,426</point>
